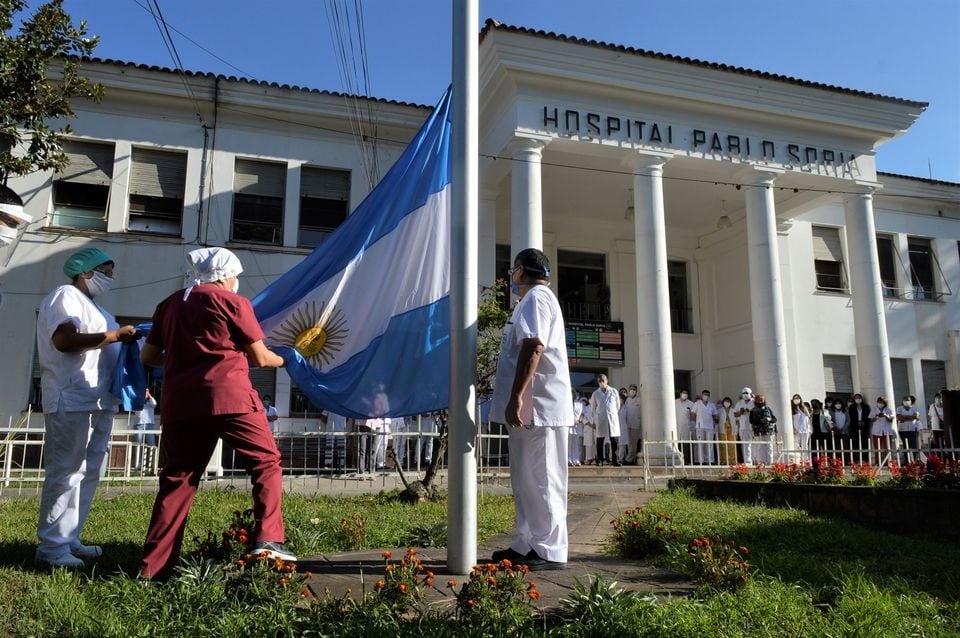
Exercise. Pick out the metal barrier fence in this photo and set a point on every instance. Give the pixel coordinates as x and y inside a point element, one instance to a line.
<point>134,458</point>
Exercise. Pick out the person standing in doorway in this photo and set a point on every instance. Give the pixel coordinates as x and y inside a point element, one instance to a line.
<point>532,396</point>
<point>273,417</point>
<point>705,420</point>
<point>78,345</point>
<point>202,337</point>
<point>685,424</point>
<point>605,402</point>
<point>744,430</point>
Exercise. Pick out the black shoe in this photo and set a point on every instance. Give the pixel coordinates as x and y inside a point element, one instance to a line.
<point>617,464</point>
<point>536,564</point>
<point>509,554</point>
<point>599,463</point>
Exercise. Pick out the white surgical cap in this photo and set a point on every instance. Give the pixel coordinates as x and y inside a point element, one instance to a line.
<point>205,265</point>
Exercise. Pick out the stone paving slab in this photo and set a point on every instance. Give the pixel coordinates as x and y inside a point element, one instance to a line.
<point>588,521</point>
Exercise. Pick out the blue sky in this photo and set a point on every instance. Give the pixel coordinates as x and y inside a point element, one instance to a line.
<point>903,48</point>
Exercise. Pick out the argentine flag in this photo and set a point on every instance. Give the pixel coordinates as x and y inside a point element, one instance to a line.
<point>363,322</point>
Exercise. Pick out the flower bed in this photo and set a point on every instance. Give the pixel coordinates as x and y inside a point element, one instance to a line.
<point>931,512</point>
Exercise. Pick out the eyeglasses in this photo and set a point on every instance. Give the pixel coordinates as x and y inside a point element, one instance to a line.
<point>515,269</point>
<point>104,271</point>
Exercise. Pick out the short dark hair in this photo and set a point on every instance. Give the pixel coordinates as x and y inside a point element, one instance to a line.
<point>534,262</point>
<point>268,397</point>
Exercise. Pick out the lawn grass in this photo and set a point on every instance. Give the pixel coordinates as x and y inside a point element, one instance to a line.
<point>813,576</point>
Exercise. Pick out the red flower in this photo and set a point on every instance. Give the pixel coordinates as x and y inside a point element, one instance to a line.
<point>534,595</point>
<point>380,585</point>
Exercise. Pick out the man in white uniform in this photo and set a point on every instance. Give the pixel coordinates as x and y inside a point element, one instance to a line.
<point>705,415</point>
<point>685,424</point>
<point>631,412</point>
<point>532,396</point>
<point>605,402</point>
<point>78,344</point>
<point>742,413</point>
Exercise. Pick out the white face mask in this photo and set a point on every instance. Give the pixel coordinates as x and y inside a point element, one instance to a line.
<point>633,393</point>
<point>907,403</point>
<point>99,284</point>
<point>858,401</point>
<point>796,401</point>
<point>683,396</point>
<point>7,235</point>
<point>236,285</point>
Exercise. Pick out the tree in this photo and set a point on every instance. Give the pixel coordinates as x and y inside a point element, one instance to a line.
<point>491,318</point>
<point>39,74</point>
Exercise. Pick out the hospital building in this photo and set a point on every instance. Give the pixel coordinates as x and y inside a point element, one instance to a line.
<point>709,226</point>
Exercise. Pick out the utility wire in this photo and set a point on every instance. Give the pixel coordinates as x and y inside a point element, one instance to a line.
<point>174,55</point>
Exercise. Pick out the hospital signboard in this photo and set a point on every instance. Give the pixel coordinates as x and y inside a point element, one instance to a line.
<point>595,342</point>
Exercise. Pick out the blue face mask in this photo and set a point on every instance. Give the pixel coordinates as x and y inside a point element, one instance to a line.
<point>515,289</point>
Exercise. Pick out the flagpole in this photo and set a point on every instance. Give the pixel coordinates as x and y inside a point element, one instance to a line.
<point>462,426</point>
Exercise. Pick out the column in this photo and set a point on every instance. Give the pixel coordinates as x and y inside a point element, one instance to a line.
<point>869,321</point>
<point>766,302</point>
<point>526,201</point>
<point>654,336</point>
<point>487,253</point>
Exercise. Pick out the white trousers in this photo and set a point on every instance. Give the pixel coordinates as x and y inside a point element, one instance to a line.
<point>762,448</point>
<point>746,448</point>
<point>538,477</point>
<point>705,450</point>
<point>575,444</point>
<point>75,445</point>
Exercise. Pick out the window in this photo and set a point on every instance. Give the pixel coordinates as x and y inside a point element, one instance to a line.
<point>934,374</point>
<point>683,380</point>
<point>681,319</point>
<point>921,268</point>
<point>828,259</point>
<point>81,189</point>
<point>258,201</point>
<point>888,272</point>
<point>899,368</point>
<point>837,376</point>
<point>301,406</point>
<point>324,197</point>
<point>264,381</point>
<point>582,285</point>
<point>156,191</point>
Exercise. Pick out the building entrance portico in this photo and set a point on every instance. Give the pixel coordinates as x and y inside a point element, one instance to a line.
<point>704,182</point>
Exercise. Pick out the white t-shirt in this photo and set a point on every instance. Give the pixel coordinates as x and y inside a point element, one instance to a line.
<point>913,424</point>
<point>936,417</point>
<point>75,381</point>
<point>546,399</point>
<point>148,412</point>
<point>631,411</point>
<point>743,421</point>
<point>705,414</point>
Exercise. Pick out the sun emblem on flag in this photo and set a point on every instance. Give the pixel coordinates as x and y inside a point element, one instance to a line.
<point>314,333</point>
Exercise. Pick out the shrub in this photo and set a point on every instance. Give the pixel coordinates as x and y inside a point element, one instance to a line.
<point>717,564</point>
<point>226,546</point>
<point>908,476</point>
<point>825,469</point>
<point>738,472</point>
<point>786,472</point>
<point>863,474</point>
<point>352,534</point>
<point>401,588</point>
<point>497,599</point>
<point>639,533</point>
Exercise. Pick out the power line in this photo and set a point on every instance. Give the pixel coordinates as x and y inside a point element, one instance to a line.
<point>174,55</point>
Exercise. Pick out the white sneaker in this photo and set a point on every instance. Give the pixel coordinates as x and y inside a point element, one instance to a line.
<point>80,550</point>
<point>65,560</point>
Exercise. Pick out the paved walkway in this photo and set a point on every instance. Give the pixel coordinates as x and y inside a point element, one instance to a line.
<point>589,514</point>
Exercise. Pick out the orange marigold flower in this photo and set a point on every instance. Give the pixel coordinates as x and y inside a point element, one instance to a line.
<point>430,574</point>
<point>534,595</point>
<point>380,585</point>
<point>629,511</point>
<point>308,574</point>
<point>388,568</point>
<point>284,580</point>
<point>240,563</point>
<point>451,584</point>
<point>428,581</point>
<point>491,581</point>
<point>243,531</point>
<point>402,587</point>
<point>387,555</point>
<point>531,585</point>
<point>471,603</point>
<point>744,550</point>
<point>411,552</point>
<point>506,563</point>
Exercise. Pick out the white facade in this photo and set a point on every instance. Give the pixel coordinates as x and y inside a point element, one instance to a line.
<point>650,165</point>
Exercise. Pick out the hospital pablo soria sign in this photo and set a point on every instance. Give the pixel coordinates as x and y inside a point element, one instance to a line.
<point>698,142</point>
